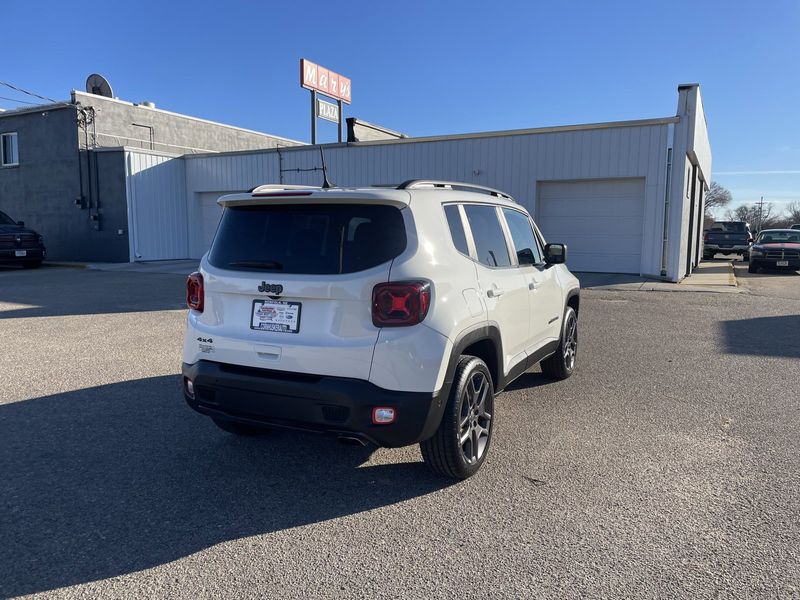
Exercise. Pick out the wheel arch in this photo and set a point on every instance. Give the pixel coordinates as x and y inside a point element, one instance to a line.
<point>484,342</point>
<point>573,299</point>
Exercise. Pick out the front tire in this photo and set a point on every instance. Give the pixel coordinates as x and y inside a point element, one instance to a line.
<point>752,268</point>
<point>746,257</point>
<point>561,365</point>
<point>461,442</point>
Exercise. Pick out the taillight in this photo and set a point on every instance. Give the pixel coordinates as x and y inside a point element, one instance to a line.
<point>401,303</point>
<point>705,237</point>
<point>195,295</point>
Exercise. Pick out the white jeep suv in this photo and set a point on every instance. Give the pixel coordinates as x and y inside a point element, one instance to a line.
<point>383,315</point>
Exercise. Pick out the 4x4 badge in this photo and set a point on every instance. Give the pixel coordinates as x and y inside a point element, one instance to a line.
<point>271,288</point>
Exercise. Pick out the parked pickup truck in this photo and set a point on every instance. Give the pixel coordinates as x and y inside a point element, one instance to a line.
<point>727,237</point>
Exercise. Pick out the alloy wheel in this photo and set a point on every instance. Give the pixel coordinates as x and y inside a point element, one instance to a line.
<point>570,342</point>
<point>474,419</point>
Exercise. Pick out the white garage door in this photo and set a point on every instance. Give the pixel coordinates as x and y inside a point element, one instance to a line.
<point>206,215</point>
<point>599,220</point>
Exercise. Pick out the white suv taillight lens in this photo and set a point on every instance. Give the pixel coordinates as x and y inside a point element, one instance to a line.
<point>400,304</point>
<point>195,294</point>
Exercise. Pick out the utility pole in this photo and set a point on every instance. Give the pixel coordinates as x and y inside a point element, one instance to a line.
<point>761,214</point>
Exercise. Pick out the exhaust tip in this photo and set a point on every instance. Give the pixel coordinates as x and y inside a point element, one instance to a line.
<point>351,440</point>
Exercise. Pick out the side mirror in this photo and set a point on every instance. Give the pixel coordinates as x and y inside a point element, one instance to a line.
<point>21,223</point>
<point>555,254</point>
<point>751,240</point>
<point>525,257</point>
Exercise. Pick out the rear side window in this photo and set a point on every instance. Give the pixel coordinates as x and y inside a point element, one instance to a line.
<point>490,243</point>
<point>318,239</point>
<point>456,228</point>
<point>522,235</point>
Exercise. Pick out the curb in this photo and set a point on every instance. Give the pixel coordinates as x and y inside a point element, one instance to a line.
<point>732,276</point>
<point>65,265</point>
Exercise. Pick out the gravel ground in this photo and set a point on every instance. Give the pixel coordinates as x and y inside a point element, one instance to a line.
<point>667,466</point>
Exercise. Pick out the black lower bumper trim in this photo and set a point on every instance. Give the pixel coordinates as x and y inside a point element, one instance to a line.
<point>772,263</point>
<point>335,405</point>
<point>31,254</point>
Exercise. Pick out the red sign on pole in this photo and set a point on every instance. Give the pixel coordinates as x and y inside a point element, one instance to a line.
<point>325,81</point>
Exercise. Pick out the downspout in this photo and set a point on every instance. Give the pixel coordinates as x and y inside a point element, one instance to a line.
<point>667,190</point>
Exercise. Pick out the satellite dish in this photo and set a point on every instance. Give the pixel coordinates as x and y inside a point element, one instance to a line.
<point>98,85</point>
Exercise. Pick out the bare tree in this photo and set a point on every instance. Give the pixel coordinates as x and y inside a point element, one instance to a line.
<point>759,217</point>
<point>717,196</point>
<point>793,212</point>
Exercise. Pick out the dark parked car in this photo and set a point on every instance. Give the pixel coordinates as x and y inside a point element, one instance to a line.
<point>775,248</point>
<point>20,245</point>
<point>795,226</point>
<point>727,237</point>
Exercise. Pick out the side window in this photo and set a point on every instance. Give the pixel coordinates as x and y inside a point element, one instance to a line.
<point>456,228</point>
<point>9,151</point>
<point>522,235</point>
<point>490,243</point>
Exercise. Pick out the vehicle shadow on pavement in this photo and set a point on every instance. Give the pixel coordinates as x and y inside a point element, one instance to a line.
<point>529,380</point>
<point>85,292</point>
<point>763,336</point>
<point>118,478</point>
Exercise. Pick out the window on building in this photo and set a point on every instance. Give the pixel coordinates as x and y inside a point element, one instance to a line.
<point>522,235</point>
<point>456,228</point>
<point>9,153</point>
<point>490,243</point>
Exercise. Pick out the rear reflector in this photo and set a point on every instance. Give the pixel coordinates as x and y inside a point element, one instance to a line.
<point>400,303</point>
<point>195,294</point>
<point>383,415</point>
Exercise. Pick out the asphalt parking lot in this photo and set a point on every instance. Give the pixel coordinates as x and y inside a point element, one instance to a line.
<point>667,466</point>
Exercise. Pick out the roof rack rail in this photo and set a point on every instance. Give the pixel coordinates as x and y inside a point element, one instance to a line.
<point>281,186</point>
<point>412,184</point>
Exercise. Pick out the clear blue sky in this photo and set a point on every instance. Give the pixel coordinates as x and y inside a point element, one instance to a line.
<point>439,67</point>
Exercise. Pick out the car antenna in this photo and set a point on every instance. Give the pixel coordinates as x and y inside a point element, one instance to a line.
<point>326,184</point>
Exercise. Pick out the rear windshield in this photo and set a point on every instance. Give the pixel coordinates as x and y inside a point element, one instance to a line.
<point>729,226</point>
<point>320,239</point>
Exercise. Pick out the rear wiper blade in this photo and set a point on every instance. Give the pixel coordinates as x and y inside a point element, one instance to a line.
<point>255,264</point>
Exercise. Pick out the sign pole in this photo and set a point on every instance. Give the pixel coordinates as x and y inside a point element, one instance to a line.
<point>341,119</point>
<point>313,117</point>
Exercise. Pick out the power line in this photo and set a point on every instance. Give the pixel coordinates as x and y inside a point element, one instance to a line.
<point>15,100</point>
<point>13,87</point>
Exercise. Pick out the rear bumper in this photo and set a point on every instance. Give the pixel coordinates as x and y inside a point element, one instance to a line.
<point>723,248</point>
<point>335,405</point>
<point>10,255</point>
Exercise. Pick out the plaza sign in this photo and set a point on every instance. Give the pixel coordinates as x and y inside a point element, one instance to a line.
<point>319,79</point>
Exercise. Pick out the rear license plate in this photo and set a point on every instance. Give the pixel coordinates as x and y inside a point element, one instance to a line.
<point>782,263</point>
<point>275,315</point>
<point>21,253</point>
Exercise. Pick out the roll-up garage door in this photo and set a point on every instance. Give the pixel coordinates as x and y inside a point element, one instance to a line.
<point>599,220</point>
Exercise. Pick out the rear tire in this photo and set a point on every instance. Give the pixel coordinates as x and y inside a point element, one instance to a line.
<point>461,442</point>
<point>562,364</point>
<point>752,268</point>
<point>239,428</point>
<point>746,257</point>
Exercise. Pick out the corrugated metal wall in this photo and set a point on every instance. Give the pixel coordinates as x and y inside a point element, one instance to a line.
<point>512,163</point>
<point>157,217</point>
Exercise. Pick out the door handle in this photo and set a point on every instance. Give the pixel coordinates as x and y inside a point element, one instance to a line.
<point>532,285</point>
<point>495,292</point>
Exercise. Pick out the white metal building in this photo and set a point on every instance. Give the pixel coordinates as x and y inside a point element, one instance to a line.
<point>626,197</point>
